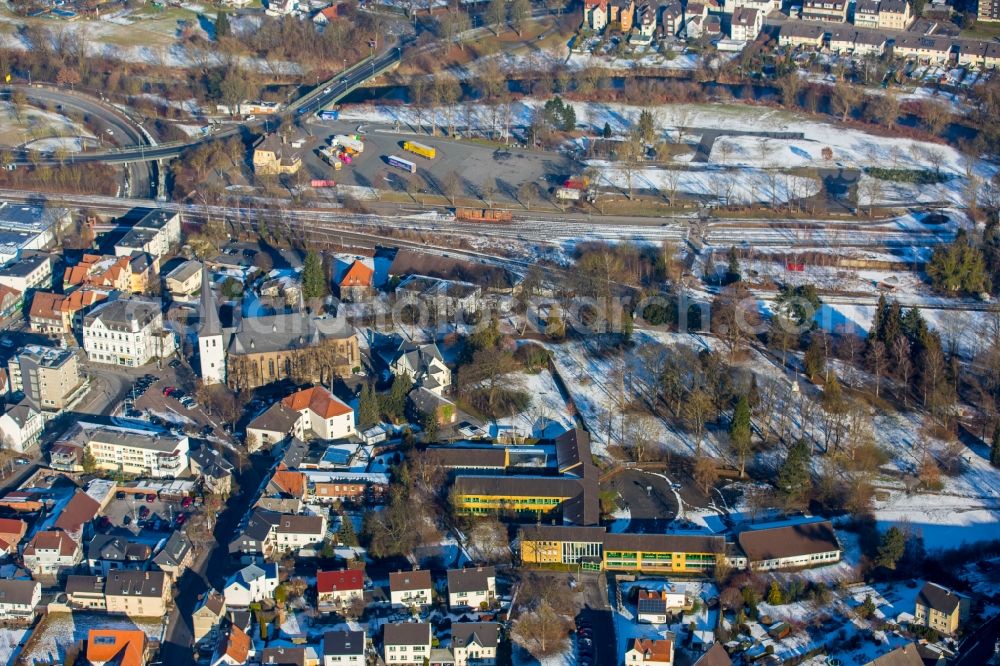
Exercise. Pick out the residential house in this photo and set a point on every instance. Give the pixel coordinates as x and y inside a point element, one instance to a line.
<point>406,643</point>
<point>269,533</point>
<point>444,296</point>
<point>28,273</point>
<point>621,15</point>
<point>50,378</point>
<point>51,553</point>
<point>828,11</point>
<point>671,18</point>
<point>215,471</point>
<point>343,648</point>
<point>234,649</point>
<point>475,643</point>
<point>130,274</point>
<point>716,656</point>
<point>176,555</point>
<point>765,7</point>
<point>325,487</point>
<point>117,647</point>
<point>357,283</point>
<point>337,589</point>
<point>251,584</point>
<point>184,281</point>
<point>929,48</point>
<point>55,314</point>
<point>77,516</point>
<point>906,655</point>
<point>645,24</point>
<point>154,234</point>
<point>272,156</point>
<point>85,592</point>
<point>272,426</point>
<point>869,43</point>
<point>12,531</point>
<point>410,588</point>
<point>423,364</point>
<point>424,403</point>
<point>472,588</point>
<point>207,616</point>
<point>20,426</point>
<point>988,11</point>
<point>790,546</point>
<point>746,24</point>
<point>895,14</point>
<point>805,35</point>
<point>126,332</point>
<point>294,532</point>
<point>321,413</point>
<point>866,13</point>
<point>286,655</point>
<point>657,606</point>
<point>328,15</point>
<point>940,609</point>
<point>107,553</point>
<point>18,600</point>
<point>646,652</point>
<point>137,593</point>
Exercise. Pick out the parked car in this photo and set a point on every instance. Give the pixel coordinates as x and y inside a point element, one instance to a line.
<point>186,502</point>
<point>119,495</point>
<point>179,519</point>
<point>169,391</point>
<point>151,497</point>
<point>126,519</point>
<point>143,511</point>
<point>174,363</point>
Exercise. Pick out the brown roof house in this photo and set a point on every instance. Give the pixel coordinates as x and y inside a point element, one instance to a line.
<point>716,656</point>
<point>410,588</point>
<point>18,600</point>
<point>51,553</point>
<point>907,655</point>
<point>272,156</point>
<point>357,283</point>
<point>137,593</point>
<point>804,544</point>
<point>472,588</point>
<point>940,609</point>
<point>406,643</point>
<point>207,615</point>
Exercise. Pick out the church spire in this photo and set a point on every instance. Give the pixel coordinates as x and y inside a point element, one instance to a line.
<point>208,312</point>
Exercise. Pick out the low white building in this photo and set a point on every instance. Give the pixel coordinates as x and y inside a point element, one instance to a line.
<point>251,584</point>
<point>406,643</point>
<point>31,272</point>
<point>806,543</point>
<point>133,451</point>
<point>51,553</point>
<point>321,413</point>
<point>126,332</point>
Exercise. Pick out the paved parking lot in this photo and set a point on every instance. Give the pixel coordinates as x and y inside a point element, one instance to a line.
<point>135,507</point>
<point>648,497</point>
<point>475,164</point>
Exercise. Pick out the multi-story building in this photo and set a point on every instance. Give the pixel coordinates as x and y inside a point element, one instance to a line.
<point>123,647</point>
<point>895,14</point>
<point>129,274</point>
<point>49,377</point>
<point>251,584</point>
<point>525,495</point>
<point>12,531</point>
<point>746,24</point>
<point>475,643</point>
<point>268,534</point>
<point>207,615</point>
<point>109,552</point>
<point>940,609</point>
<point>926,48</point>
<point>866,13</point>
<point>671,18</point>
<point>830,11</point>
<point>357,282</point>
<point>406,643</point>
<point>423,364</point>
<point>337,589</point>
<point>132,451</point>
<point>272,156</point>
<point>806,35</point>
<point>28,273</point>
<point>21,426</point>
<point>28,227</point>
<point>126,332</point>
<point>56,314</point>
<point>343,648</point>
<point>410,588</point>
<point>321,414</point>
<point>85,592</point>
<point>51,553</point>
<point>988,10</point>
<point>803,544</point>
<point>175,556</point>
<point>472,588</point>
<point>18,600</point>
<point>154,234</point>
<point>137,593</point>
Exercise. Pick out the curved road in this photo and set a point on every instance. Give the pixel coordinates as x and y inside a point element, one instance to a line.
<point>112,126</point>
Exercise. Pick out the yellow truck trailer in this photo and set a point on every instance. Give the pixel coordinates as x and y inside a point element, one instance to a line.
<point>420,149</point>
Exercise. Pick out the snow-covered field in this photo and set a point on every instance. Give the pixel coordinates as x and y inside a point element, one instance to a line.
<point>10,639</point>
<point>548,415</point>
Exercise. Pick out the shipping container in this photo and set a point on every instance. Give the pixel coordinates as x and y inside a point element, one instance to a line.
<point>322,183</point>
<point>567,194</point>
<point>483,215</point>
<point>400,163</point>
<point>351,142</point>
<point>420,149</point>
<point>329,114</point>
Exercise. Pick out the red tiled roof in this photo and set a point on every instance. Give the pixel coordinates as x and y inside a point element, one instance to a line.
<point>654,650</point>
<point>81,509</point>
<point>45,304</point>
<point>291,482</point>
<point>51,540</point>
<point>358,275</point>
<point>319,401</point>
<point>339,581</point>
<point>237,645</point>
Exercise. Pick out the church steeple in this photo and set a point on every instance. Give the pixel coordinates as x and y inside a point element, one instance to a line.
<point>208,311</point>
<point>211,353</point>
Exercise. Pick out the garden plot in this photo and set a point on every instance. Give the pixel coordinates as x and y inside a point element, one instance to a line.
<point>59,631</point>
<point>547,416</point>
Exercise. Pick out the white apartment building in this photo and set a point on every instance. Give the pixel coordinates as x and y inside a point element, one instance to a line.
<point>134,451</point>
<point>126,332</point>
<point>32,272</point>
